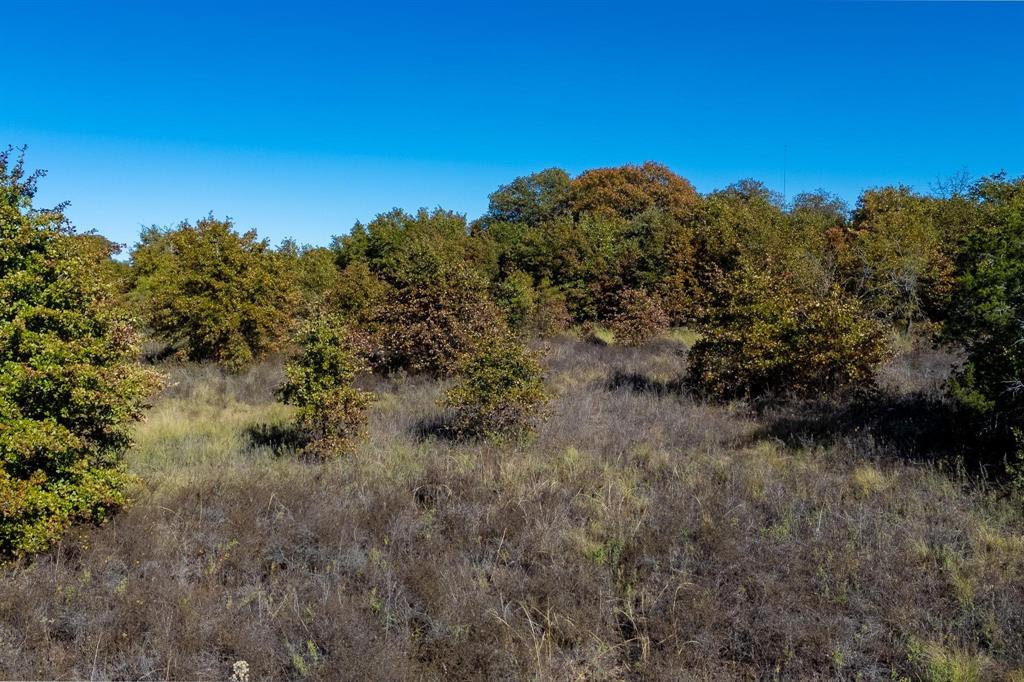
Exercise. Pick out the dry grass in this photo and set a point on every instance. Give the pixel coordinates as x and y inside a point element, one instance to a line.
<point>639,534</point>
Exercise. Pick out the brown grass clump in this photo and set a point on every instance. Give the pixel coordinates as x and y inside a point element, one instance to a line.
<point>639,535</point>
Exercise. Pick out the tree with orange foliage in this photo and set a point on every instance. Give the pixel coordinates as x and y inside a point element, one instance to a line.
<point>628,191</point>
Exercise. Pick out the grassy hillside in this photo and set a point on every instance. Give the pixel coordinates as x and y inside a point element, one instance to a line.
<point>639,534</point>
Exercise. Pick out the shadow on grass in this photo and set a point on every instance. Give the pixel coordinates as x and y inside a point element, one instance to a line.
<point>438,427</point>
<point>279,438</point>
<point>914,427</point>
<point>641,383</point>
<point>157,353</point>
<point>873,421</point>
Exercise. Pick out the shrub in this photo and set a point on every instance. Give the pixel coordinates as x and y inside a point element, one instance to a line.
<point>332,412</point>
<point>638,318</point>
<point>500,391</point>
<point>986,312</point>
<point>550,314</point>
<point>765,338</point>
<point>896,260</point>
<point>427,325</point>
<point>314,272</point>
<point>517,298</point>
<point>356,292</point>
<point>70,388</point>
<point>225,297</point>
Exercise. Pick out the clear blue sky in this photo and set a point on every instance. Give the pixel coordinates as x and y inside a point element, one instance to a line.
<point>300,118</point>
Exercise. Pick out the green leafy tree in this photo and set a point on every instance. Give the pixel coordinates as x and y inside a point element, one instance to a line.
<point>987,315</point>
<point>655,253</point>
<point>112,276</point>
<point>532,199</point>
<point>332,412</point>
<point>357,292</point>
<point>314,271</point>
<point>628,191</point>
<point>896,260</point>
<point>745,220</point>
<point>70,386</point>
<point>399,247</point>
<point>499,391</point>
<point>766,338</point>
<point>222,296</point>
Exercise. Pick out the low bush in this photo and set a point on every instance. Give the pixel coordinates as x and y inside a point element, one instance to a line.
<point>764,338</point>
<point>639,317</point>
<point>332,412</point>
<point>499,392</point>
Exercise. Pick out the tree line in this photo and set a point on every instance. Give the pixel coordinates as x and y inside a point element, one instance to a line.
<point>791,300</point>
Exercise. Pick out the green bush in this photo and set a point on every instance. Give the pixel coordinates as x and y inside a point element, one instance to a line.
<point>638,318</point>
<point>356,292</point>
<point>986,313</point>
<point>332,412</point>
<point>400,247</point>
<point>517,298</point>
<point>70,386</point>
<point>499,391</point>
<point>427,325</point>
<point>765,338</point>
<point>314,273</point>
<point>895,260</point>
<point>223,296</point>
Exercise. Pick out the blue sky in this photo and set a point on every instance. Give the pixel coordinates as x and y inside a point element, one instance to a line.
<point>299,118</point>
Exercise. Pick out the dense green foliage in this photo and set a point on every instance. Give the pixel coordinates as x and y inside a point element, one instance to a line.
<point>767,338</point>
<point>400,248</point>
<point>222,296</point>
<point>313,271</point>
<point>987,315</point>
<point>70,387</point>
<point>332,412</point>
<point>532,199</point>
<point>592,236</point>
<point>895,260</point>
<point>499,391</point>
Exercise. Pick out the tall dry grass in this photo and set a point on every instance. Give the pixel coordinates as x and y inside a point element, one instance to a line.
<point>640,534</point>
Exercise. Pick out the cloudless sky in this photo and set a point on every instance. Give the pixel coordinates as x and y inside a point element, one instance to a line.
<point>299,118</point>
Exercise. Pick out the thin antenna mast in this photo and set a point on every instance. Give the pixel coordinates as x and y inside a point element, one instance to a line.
<point>785,164</point>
